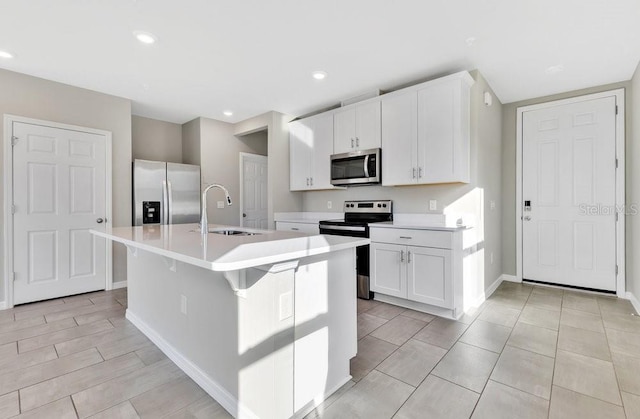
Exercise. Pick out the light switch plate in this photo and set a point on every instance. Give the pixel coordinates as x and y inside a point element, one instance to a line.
<point>220,204</point>
<point>433,205</point>
<point>329,204</point>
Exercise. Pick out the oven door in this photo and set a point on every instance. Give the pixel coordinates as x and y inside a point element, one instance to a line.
<point>356,168</point>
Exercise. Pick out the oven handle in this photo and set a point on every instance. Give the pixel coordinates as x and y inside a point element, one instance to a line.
<point>342,228</point>
<point>366,165</point>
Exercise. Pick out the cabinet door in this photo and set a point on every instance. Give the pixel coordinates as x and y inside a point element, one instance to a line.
<point>429,277</point>
<point>344,131</point>
<point>389,269</point>
<point>399,139</point>
<point>368,126</point>
<point>297,227</point>
<point>322,149</point>
<point>443,137</point>
<point>299,152</point>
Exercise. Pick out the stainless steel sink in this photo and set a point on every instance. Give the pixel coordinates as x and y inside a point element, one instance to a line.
<point>232,232</point>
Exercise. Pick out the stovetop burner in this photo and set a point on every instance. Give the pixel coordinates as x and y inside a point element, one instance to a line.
<point>357,217</point>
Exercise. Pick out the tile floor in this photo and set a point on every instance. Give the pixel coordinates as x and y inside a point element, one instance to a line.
<point>528,352</point>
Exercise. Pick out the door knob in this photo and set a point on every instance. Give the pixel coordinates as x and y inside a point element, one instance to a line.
<point>527,218</point>
<point>99,220</point>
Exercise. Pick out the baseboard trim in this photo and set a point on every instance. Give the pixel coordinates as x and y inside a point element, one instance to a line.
<point>119,284</point>
<point>3,305</point>
<point>634,301</point>
<point>312,405</point>
<point>486,293</point>
<point>510,278</point>
<point>215,390</point>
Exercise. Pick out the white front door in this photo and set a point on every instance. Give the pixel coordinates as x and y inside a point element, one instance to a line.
<point>569,194</point>
<point>59,189</point>
<point>254,191</point>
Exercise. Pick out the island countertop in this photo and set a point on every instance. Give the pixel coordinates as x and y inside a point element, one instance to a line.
<point>217,252</point>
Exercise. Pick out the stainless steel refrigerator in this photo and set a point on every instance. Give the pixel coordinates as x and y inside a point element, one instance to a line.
<point>165,193</point>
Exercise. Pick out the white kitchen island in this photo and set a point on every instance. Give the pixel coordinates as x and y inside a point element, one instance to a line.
<point>266,323</point>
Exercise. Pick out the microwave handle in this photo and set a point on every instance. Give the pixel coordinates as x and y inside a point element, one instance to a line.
<point>366,165</point>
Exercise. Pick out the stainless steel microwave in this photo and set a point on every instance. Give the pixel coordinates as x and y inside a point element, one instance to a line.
<point>356,168</point>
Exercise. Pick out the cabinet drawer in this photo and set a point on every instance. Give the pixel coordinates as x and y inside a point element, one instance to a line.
<point>297,227</point>
<point>427,238</point>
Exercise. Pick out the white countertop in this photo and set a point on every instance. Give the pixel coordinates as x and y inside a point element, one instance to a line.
<point>226,253</point>
<point>307,217</point>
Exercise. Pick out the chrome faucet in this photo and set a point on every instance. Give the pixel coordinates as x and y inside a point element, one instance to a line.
<point>204,223</point>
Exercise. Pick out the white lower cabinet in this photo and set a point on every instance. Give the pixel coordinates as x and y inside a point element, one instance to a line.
<point>388,269</point>
<point>429,276</point>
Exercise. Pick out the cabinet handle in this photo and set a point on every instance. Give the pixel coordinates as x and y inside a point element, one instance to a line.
<point>406,237</point>
<point>408,256</point>
<point>307,181</point>
<point>311,181</point>
<point>352,143</point>
<point>402,256</point>
<point>295,228</point>
<point>420,172</point>
<point>414,172</point>
<point>357,142</point>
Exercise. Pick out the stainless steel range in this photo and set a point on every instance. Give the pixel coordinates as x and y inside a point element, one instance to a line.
<point>357,217</point>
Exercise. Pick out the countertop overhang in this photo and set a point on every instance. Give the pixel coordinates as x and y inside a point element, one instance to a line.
<point>221,253</point>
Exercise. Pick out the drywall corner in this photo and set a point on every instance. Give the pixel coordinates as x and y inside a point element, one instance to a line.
<point>191,142</point>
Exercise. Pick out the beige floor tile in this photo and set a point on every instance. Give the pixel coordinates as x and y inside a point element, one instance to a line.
<point>438,399</point>
<point>36,306</point>
<point>371,352</point>
<point>205,408</point>
<point>418,315</point>
<point>322,407</point>
<point>398,330</point>
<point>99,315</point>
<point>472,313</point>
<point>78,311</point>
<point>486,335</point>
<point>8,349</point>
<point>96,399</point>
<point>534,338</point>
<point>442,332</point>
<point>150,354</point>
<point>49,309</point>
<point>542,290</point>
<point>581,302</point>
<point>624,342</point>
<point>526,371</point>
<point>60,409</point>
<point>467,366</point>
<point>167,398</point>
<point>582,320</point>
<point>368,323</point>
<point>386,311</point>
<point>567,404</point>
<point>9,405</point>
<point>21,324</point>
<point>122,346</point>
<point>584,342</point>
<point>631,405</point>
<point>63,335</point>
<point>120,322</point>
<point>103,299</point>
<point>628,372</point>
<point>624,322</point>
<point>376,396</point>
<point>91,341</point>
<point>6,316</point>
<point>122,411</point>
<point>28,376</point>
<point>516,302</point>
<point>412,362</point>
<point>74,382</point>
<point>589,376</point>
<point>502,402</point>
<point>19,361</point>
<point>500,314</point>
<point>364,305</point>
<point>615,305</point>
<point>541,317</point>
<point>549,302</point>
<point>42,329</point>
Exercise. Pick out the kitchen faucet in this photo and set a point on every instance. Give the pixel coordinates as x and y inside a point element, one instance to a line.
<point>204,223</point>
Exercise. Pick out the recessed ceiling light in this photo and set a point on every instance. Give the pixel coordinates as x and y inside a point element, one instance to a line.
<point>5,54</point>
<point>319,75</point>
<point>145,37</point>
<point>554,69</point>
<point>227,113</point>
<point>470,40</point>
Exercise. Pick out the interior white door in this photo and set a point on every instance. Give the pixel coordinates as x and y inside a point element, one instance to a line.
<point>254,191</point>
<point>59,187</point>
<point>568,180</point>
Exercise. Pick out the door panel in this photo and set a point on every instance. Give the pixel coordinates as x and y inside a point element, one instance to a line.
<point>148,178</point>
<point>299,155</point>
<point>429,278</point>
<point>389,269</point>
<point>322,146</point>
<point>254,191</point>
<point>368,126</point>
<point>569,235</point>
<point>183,182</point>
<point>344,131</point>
<point>59,184</point>
<point>399,139</point>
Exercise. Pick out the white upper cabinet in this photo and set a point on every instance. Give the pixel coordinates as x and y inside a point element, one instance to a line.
<point>310,147</point>
<point>357,127</point>
<point>425,132</point>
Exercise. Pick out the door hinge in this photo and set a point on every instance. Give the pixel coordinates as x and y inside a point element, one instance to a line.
<point>616,162</point>
<point>14,276</point>
<point>616,216</point>
<point>616,109</point>
<point>13,209</point>
<point>616,269</point>
<point>14,140</point>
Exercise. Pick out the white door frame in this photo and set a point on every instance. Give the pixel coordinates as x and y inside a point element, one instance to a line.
<point>8,197</point>
<point>620,178</point>
<point>241,198</point>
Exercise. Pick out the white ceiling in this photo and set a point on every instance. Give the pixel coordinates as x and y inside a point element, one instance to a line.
<point>253,56</point>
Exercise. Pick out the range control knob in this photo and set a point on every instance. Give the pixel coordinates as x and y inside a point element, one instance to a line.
<point>379,205</point>
<point>384,205</point>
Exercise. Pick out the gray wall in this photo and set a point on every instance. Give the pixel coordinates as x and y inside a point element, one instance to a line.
<point>191,142</point>
<point>476,197</point>
<point>509,164</point>
<point>156,140</point>
<point>28,96</point>
<point>633,185</point>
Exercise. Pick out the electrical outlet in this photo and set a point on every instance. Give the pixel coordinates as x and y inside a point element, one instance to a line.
<point>329,204</point>
<point>220,204</point>
<point>433,205</point>
<point>493,205</point>
<point>183,304</point>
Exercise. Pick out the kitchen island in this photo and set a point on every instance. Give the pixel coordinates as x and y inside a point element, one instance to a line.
<point>265,323</point>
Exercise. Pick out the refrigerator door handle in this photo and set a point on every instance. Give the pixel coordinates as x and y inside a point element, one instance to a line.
<point>165,203</point>
<point>170,203</point>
